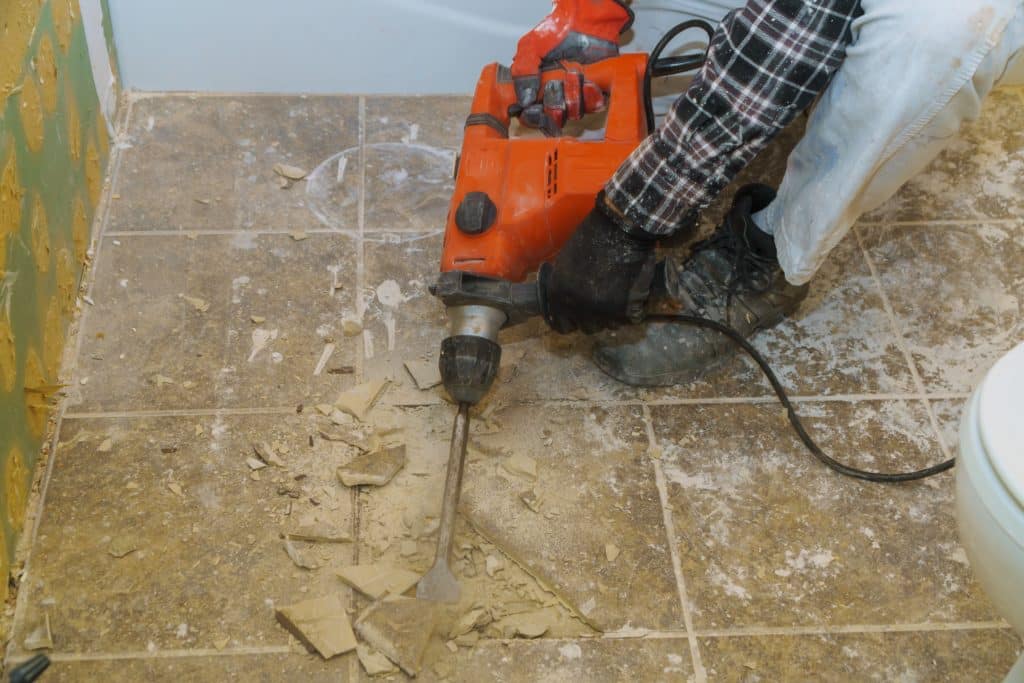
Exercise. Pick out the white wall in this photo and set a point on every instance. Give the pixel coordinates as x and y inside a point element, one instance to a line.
<point>365,46</point>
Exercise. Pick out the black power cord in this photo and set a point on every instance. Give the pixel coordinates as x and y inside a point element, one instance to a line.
<point>794,418</point>
<point>671,65</point>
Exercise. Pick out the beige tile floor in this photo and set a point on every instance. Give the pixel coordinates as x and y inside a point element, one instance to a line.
<point>741,559</point>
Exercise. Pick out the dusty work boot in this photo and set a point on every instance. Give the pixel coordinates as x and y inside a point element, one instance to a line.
<point>732,277</point>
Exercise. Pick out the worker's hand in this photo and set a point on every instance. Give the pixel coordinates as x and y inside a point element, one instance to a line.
<point>601,278</point>
<point>581,31</point>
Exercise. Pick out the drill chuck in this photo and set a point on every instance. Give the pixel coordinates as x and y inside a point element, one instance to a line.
<point>471,355</point>
<point>469,365</point>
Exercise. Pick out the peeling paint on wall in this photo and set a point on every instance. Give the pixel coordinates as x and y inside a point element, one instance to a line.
<point>53,155</point>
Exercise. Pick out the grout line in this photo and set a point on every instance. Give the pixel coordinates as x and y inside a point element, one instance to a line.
<point>69,364</point>
<point>164,94</point>
<point>670,531</point>
<point>195,412</point>
<point>191,234</point>
<point>361,247</point>
<point>630,403</point>
<point>901,341</point>
<point>157,654</point>
<point>355,496</point>
<point>941,223</point>
<point>420,233</point>
<point>736,632</point>
<point>746,632</point>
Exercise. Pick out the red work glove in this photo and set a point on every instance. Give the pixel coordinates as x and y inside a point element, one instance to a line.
<point>582,31</point>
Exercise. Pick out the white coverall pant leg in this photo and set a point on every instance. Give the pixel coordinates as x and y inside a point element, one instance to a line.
<point>916,71</point>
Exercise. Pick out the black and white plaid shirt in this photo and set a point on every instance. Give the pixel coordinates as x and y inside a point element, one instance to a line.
<point>766,64</point>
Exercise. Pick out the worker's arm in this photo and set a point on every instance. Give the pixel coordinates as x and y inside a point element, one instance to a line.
<point>766,64</point>
<point>583,31</point>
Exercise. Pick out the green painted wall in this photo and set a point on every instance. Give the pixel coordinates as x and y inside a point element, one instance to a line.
<point>53,155</point>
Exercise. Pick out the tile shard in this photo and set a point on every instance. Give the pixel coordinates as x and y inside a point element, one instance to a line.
<point>521,465</point>
<point>321,624</point>
<point>297,559</point>
<point>358,400</point>
<point>290,172</point>
<point>400,628</point>
<point>611,552</point>
<point>374,663</point>
<point>378,580</point>
<point>373,469</point>
<point>41,638</point>
<point>312,533</point>
<point>426,374</point>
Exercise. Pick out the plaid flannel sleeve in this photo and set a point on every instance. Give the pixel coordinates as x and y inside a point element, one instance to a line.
<point>766,63</point>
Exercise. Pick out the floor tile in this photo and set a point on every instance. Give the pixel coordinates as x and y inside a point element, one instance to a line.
<point>147,347</point>
<point>840,341</point>
<point>977,176</point>
<point>206,163</point>
<point>209,562</point>
<point>596,487</point>
<point>966,656</point>
<point>770,537</point>
<point>437,121</point>
<point>264,668</point>
<point>956,294</point>
<point>555,661</point>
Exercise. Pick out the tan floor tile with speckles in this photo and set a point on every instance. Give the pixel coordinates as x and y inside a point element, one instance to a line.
<point>595,486</point>
<point>262,668</point>
<point>956,292</point>
<point>206,560</point>
<point>146,346</point>
<point>954,656</point>
<point>206,163</point>
<point>769,537</point>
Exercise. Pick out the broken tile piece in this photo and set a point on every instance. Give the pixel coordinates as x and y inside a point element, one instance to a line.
<point>297,559</point>
<point>493,565</point>
<point>290,172</point>
<point>378,580</point>
<point>400,628</point>
<point>522,465</point>
<point>470,621</point>
<point>531,500</point>
<point>321,624</point>
<point>265,453</point>
<point>374,663</point>
<point>373,469</point>
<point>41,638</point>
<point>106,446</point>
<point>426,374</point>
<point>200,305</point>
<point>527,624</point>
<point>258,319</point>
<point>611,551</point>
<point>354,439</point>
<point>319,534</point>
<point>122,546</point>
<point>255,463</point>
<point>358,400</point>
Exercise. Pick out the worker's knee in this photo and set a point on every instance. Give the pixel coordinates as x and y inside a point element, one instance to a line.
<point>958,31</point>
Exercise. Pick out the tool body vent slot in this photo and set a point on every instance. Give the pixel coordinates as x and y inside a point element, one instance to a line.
<point>551,171</point>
